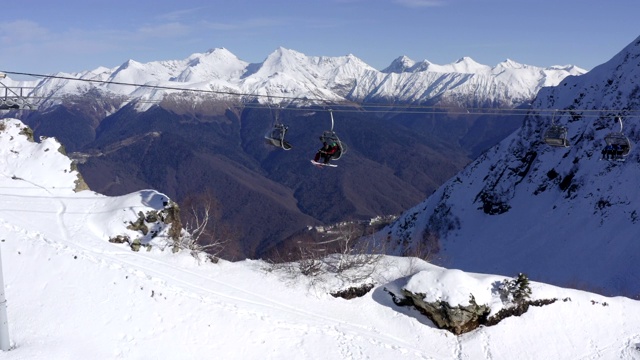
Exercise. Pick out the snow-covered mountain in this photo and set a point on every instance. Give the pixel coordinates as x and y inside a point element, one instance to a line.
<point>71,294</point>
<point>561,215</point>
<point>293,75</point>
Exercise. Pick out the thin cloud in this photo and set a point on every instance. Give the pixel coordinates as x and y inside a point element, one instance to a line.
<point>244,25</point>
<point>180,14</point>
<point>20,31</point>
<point>420,3</point>
<point>173,29</point>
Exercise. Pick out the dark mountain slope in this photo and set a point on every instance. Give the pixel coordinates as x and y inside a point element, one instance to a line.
<point>561,215</point>
<point>391,163</point>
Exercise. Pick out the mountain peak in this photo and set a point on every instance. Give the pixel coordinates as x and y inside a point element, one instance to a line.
<point>212,54</point>
<point>280,59</point>
<point>466,59</point>
<point>399,65</point>
<point>217,50</point>
<point>214,64</point>
<point>129,64</point>
<point>510,64</point>
<point>467,65</point>
<point>283,51</point>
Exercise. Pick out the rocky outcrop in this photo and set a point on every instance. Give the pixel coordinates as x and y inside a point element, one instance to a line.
<point>148,225</point>
<point>353,292</point>
<point>458,319</point>
<point>81,185</point>
<point>439,294</point>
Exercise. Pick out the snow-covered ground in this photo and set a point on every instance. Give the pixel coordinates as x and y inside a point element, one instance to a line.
<point>71,294</point>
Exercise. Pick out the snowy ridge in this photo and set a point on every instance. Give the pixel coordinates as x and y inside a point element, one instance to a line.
<point>291,74</point>
<point>561,215</point>
<point>19,150</point>
<point>71,294</point>
<point>37,170</point>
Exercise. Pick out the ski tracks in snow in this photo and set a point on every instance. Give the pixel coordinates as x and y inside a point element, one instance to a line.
<point>343,332</point>
<point>486,343</point>
<point>228,297</point>
<point>631,348</point>
<point>457,351</point>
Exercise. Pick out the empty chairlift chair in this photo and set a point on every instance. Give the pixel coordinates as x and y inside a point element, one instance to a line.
<point>617,144</point>
<point>556,135</point>
<point>276,135</point>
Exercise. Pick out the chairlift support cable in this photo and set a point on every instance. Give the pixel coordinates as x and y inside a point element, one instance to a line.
<point>346,106</point>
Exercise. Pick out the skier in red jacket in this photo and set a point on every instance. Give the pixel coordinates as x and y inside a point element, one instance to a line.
<point>326,152</point>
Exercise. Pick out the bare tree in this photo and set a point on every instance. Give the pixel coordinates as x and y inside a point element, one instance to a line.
<point>201,218</point>
<point>343,252</point>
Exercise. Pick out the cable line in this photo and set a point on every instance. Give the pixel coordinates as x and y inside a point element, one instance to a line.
<point>344,106</point>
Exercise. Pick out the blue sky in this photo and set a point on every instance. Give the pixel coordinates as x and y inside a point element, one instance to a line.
<point>73,35</point>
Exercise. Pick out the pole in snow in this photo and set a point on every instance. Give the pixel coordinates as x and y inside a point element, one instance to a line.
<point>5,345</point>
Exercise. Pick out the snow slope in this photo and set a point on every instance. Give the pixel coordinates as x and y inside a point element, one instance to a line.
<point>561,215</point>
<point>71,294</point>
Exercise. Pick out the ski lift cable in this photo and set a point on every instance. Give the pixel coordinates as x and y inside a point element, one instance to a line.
<point>382,108</point>
<point>415,109</point>
<point>344,106</point>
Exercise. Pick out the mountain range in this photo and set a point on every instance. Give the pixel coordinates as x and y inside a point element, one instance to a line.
<point>195,126</point>
<point>562,215</point>
<point>288,76</point>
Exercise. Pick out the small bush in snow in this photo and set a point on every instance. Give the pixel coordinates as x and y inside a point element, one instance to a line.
<point>515,291</point>
<point>344,255</point>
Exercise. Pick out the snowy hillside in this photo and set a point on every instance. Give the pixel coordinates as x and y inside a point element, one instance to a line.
<point>290,74</point>
<point>561,215</point>
<point>71,294</point>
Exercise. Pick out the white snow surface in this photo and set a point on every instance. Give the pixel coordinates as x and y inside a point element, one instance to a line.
<point>71,294</point>
<point>454,287</point>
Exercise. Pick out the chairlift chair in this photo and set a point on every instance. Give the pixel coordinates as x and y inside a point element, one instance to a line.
<point>556,135</point>
<point>618,138</point>
<point>330,137</point>
<point>275,136</point>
